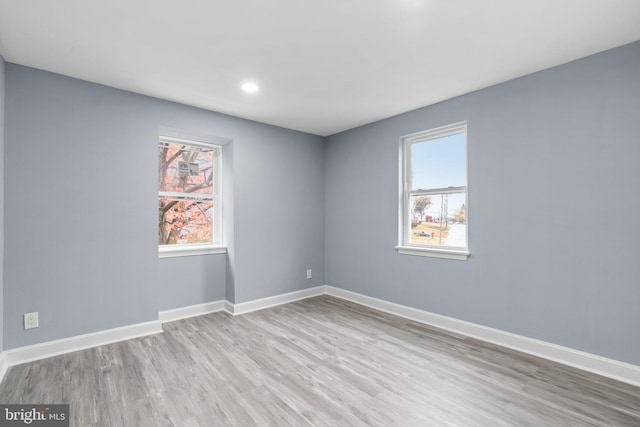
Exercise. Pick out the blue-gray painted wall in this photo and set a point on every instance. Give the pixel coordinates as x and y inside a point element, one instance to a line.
<point>191,280</point>
<point>554,194</point>
<point>2,67</point>
<point>81,197</point>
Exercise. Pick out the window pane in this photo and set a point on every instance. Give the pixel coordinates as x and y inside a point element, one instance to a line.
<point>186,169</point>
<point>439,163</point>
<point>185,221</point>
<point>438,220</point>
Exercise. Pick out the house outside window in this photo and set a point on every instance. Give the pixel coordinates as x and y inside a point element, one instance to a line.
<point>434,205</point>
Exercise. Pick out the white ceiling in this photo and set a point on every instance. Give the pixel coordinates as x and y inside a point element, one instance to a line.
<point>323,65</point>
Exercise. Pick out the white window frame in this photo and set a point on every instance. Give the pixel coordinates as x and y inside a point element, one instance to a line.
<point>404,235</point>
<point>188,249</point>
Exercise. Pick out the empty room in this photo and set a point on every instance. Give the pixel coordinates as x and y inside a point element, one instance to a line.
<point>319,213</point>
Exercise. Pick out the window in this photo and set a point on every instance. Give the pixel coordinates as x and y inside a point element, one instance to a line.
<point>189,197</point>
<point>434,208</point>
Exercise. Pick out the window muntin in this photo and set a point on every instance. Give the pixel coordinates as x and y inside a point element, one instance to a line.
<point>189,190</point>
<point>434,199</point>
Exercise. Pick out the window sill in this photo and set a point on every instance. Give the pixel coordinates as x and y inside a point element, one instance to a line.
<point>189,250</point>
<point>461,255</point>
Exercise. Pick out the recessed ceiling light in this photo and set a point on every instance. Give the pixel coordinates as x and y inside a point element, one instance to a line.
<point>250,87</point>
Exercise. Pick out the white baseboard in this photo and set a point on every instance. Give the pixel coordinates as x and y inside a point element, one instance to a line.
<point>578,359</point>
<point>228,307</point>
<point>191,311</point>
<point>3,365</point>
<point>17,356</point>
<point>621,371</point>
<point>262,303</point>
<point>39,351</point>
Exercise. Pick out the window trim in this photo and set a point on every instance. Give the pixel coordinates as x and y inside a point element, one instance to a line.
<point>217,246</point>
<point>172,251</point>
<point>404,223</point>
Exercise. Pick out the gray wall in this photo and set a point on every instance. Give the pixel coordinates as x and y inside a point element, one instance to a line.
<point>2,67</point>
<point>553,200</point>
<point>278,212</point>
<point>81,198</point>
<point>185,281</point>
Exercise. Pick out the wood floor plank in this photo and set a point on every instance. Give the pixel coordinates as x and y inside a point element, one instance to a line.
<point>317,362</point>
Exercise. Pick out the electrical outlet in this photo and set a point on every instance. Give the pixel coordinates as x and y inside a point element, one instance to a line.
<point>31,320</point>
<point>309,274</point>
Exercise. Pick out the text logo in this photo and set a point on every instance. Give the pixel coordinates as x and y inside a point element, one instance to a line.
<point>34,415</point>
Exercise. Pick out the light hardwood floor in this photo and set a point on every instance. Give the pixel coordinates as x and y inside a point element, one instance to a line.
<point>321,362</point>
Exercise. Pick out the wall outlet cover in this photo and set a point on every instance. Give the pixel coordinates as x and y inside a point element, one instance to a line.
<point>31,320</point>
